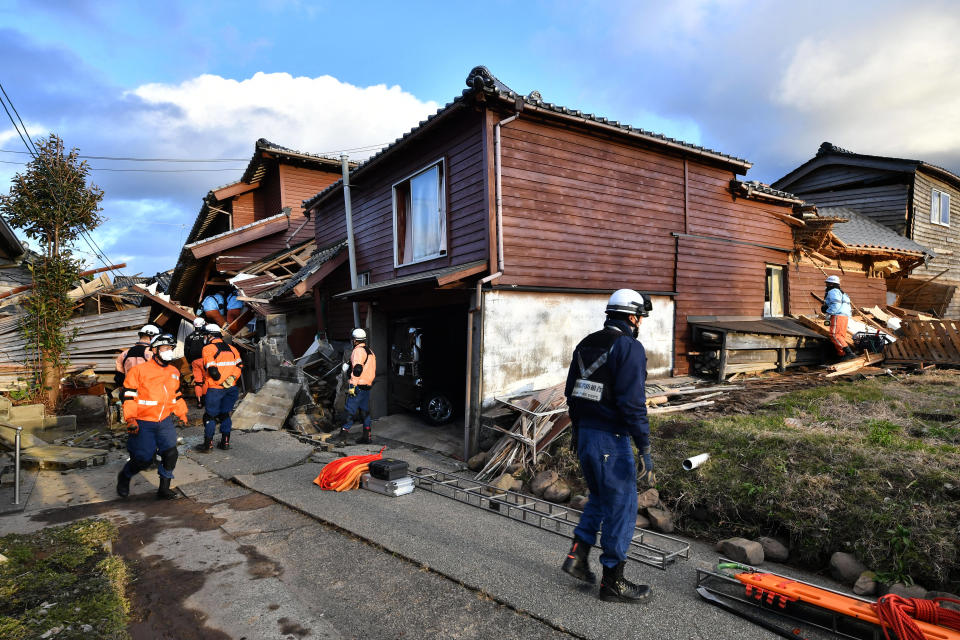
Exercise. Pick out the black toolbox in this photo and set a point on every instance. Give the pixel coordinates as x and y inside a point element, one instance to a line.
<point>389,469</point>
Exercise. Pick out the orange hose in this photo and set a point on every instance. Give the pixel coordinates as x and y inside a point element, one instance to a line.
<point>343,474</point>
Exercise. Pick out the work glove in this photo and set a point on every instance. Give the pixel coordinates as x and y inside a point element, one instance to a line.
<point>133,428</point>
<point>823,308</point>
<point>645,475</point>
<point>352,390</point>
<point>213,372</point>
<point>346,367</point>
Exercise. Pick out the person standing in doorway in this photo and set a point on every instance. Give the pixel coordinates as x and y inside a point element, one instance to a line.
<point>363,370</point>
<point>836,304</point>
<point>607,406</point>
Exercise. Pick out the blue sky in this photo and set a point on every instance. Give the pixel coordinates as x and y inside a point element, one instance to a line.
<point>767,81</point>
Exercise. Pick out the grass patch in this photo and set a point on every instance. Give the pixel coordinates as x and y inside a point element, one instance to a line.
<point>63,577</point>
<point>863,473</point>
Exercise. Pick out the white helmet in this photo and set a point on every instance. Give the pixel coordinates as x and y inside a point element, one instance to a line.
<point>833,279</point>
<point>630,302</point>
<point>359,335</point>
<point>199,323</point>
<point>149,330</point>
<point>213,328</point>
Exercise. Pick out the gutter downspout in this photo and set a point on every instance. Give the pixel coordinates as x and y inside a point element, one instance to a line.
<point>351,249</point>
<point>469,444</point>
<point>499,188</point>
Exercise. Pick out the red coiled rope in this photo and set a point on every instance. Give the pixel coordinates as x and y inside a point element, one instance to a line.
<point>344,473</point>
<point>898,614</point>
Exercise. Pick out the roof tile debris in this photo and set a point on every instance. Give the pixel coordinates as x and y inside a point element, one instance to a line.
<point>861,231</point>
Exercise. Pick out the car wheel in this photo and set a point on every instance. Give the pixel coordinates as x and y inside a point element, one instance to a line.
<point>437,409</point>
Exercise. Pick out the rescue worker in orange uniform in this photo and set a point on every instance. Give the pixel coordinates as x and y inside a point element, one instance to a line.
<point>363,370</point>
<point>137,354</point>
<point>193,346</point>
<point>151,398</point>
<point>222,368</point>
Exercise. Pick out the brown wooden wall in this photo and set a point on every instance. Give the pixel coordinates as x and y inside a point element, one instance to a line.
<point>586,213</point>
<point>863,291</point>
<point>460,142</point>
<point>243,210</point>
<point>299,183</point>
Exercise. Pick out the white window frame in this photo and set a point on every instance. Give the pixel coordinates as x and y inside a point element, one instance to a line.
<point>363,279</point>
<point>936,213</point>
<point>441,194</point>
<point>768,304</point>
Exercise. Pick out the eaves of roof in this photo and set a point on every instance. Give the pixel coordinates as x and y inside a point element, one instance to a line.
<point>481,81</point>
<point>10,245</point>
<point>240,234</point>
<point>257,167</point>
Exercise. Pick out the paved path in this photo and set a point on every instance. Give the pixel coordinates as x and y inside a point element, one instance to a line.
<point>256,550</point>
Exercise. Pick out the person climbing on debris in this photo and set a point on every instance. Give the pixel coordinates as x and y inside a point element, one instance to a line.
<point>137,354</point>
<point>151,398</point>
<point>363,370</point>
<point>836,304</point>
<point>222,369</point>
<point>193,346</point>
<point>607,407</point>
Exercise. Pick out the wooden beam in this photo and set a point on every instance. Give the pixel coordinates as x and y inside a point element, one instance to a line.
<point>238,237</point>
<point>328,267</point>
<point>460,275</point>
<point>185,313</point>
<point>236,189</point>
<point>82,274</point>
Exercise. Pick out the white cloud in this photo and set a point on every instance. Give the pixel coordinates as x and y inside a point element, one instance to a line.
<point>209,114</point>
<point>889,87</point>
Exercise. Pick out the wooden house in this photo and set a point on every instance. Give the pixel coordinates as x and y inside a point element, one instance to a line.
<point>257,224</point>
<point>916,199</point>
<point>508,220</point>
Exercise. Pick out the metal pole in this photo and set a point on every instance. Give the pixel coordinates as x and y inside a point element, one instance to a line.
<point>16,472</point>
<point>351,249</point>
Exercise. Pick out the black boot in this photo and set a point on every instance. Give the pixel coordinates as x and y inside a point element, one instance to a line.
<point>577,564</point>
<point>165,492</point>
<point>206,447</point>
<point>615,588</point>
<point>848,353</point>
<point>123,485</point>
<point>224,441</point>
<point>366,437</point>
<point>342,437</point>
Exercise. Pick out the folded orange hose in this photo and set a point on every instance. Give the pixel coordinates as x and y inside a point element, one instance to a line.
<point>343,474</point>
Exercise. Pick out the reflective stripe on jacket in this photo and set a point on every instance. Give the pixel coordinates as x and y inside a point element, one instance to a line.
<point>227,362</point>
<point>368,365</point>
<point>151,392</point>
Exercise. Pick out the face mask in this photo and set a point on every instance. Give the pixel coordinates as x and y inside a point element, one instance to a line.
<point>166,356</point>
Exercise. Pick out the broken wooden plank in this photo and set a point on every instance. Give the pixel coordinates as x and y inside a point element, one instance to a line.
<point>679,407</point>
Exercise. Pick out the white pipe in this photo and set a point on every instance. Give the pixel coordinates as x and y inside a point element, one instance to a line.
<point>351,249</point>
<point>692,463</point>
<point>478,308</point>
<point>499,188</point>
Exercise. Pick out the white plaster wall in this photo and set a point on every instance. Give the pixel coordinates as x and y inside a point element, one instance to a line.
<point>528,338</point>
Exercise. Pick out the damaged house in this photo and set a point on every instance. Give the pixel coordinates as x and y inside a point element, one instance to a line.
<point>253,236</point>
<point>913,198</point>
<point>489,237</point>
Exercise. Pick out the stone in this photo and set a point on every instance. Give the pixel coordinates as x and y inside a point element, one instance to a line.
<point>773,549</point>
<point>559,491</point>
<point>742,550</point>
<point>475,463</point>
<point>792,422</point>
<point>5,406</point>
<point>578,501</point>
<point>543,480</point>
<point>845,568</point>
<point>302,423</point>
<point>3,558</point>
<point>649,498</point>
<point>517,484</point>
<point>90,410</point>
<point>660,520</point>
<point>902,590</point>
<point>866,584</point>
<point>26,413</point>
<point>276,324</point>
<point>642,521</point>
<point>504,482</point>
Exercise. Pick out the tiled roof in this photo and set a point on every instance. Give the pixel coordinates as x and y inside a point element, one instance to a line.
<point>313,265</point>
<point>861,231</point>
<point>480,80</point>
<point>754,186</point>
<point>258,167</point>
<point>830,148</point>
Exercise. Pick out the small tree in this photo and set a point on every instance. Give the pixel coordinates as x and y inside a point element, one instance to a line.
<point>53,205</point>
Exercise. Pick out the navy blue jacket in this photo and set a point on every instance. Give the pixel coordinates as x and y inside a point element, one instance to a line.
<point>627,413</point>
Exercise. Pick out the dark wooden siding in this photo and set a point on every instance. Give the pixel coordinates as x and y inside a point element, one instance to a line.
<point>459,143</point>
<point>336,314</point>
<point>585,213</point>
<point>243,210</point>
<point>832,177</point>
<point>885,204</point>
<point>863,291</point>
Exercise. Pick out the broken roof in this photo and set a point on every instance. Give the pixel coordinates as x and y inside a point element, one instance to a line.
<point>862,232</point>
<point>481,82</point>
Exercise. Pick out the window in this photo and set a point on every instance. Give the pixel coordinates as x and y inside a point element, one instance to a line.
<point>420,217</point>
<point>940,208</point>
<point>773,297</point>
<point>363,279</point>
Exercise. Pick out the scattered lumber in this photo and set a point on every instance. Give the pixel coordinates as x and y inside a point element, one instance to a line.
<point>926,343</point>
<point>679,407</point>
<point>852,366</point>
